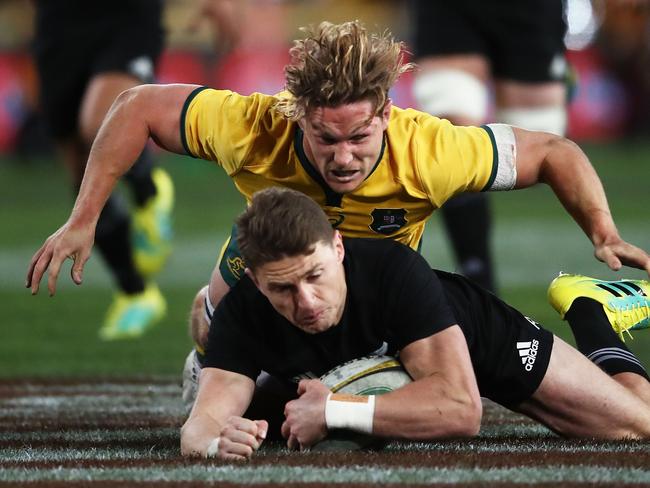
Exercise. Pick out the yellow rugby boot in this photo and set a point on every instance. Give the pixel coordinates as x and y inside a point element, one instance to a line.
<point>152,226</point>
<point>130,316</point>
<point>625,302</point>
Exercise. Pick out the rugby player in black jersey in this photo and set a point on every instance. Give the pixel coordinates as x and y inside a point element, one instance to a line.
<point>311,300</point>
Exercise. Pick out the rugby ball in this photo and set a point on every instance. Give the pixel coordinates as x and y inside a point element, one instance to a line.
<point>371,375</point>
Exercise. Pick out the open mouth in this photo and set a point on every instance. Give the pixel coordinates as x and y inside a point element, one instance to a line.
<point>344,175</point>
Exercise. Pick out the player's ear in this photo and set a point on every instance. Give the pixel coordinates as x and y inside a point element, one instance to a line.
<point>338,246</point>
<point>251,275</point>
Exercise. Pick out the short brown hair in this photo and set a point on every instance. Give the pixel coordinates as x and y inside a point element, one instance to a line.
<point>280,223</point>
<point>337,64</point>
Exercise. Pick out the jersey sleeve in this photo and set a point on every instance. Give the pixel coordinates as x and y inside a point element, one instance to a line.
<point>453,159</point>
<point>415,300</point>
<point>229,346</point>
<point>225,127</point>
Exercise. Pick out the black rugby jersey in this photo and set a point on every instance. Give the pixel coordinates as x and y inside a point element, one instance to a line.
<point>393,299</point>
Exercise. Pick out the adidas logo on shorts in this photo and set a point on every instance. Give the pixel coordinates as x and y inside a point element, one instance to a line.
<point>528,353</point>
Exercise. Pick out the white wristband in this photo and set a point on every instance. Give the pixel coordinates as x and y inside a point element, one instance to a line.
<point>352,412</point>
<point>213,448</point>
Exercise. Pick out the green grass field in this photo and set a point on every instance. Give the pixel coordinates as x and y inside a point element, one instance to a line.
<point>53,337</point>
<point>125,433</point>
<point>75,411</point>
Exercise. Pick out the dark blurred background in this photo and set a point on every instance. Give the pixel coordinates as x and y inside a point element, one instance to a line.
<point>608,45</point>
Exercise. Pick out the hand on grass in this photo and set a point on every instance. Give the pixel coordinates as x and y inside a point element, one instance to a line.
<point>305,417</point>
<point>239,439</point>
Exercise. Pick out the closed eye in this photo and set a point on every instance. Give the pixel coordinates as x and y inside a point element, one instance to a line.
<point>328,140</point>
<point>280,288</point>
<point>313,277</point>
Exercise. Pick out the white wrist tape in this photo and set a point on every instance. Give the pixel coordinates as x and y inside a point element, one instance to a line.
<point>350,412</point>
<point>213,447</point>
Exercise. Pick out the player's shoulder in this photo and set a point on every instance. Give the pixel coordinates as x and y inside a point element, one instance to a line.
<point>380,254</point>
<point>252,117</point>
<point>242,299</point>
<point>410,119</point>
<point>206,94</point>
<point>373,246</point>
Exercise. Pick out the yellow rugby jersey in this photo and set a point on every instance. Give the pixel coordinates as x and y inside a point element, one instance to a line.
<point>424,161</point>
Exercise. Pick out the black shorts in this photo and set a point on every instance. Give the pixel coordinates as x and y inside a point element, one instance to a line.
<point>522,39</point>
<point>510,352</point>
<point>76,40</point>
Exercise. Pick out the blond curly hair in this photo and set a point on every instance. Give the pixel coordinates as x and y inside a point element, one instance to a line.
<point>341,63</point>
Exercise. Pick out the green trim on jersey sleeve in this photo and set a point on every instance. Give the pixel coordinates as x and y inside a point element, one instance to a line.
<point>186,106</point>
<point>231,263</point>
<point>495,153</point>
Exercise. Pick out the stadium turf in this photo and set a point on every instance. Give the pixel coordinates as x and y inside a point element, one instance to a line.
<point>95,433</point>
<point>78,412</point>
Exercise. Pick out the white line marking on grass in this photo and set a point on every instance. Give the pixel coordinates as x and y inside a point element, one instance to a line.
<point>29,454</point>
<point>353,474</point>
<point>97,405</point>
<point>516,430</point>
<point>527,446</point>
<point>156,453</point>
<point>95,435</point>
<point>95,400</point>
<point>125,388</point>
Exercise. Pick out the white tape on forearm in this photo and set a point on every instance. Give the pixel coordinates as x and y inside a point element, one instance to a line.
<point>213,447</point>
<point>350,412</point>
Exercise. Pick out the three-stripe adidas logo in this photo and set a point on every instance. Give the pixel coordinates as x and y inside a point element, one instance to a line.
<point>528,353</point>
<point>621,288</point>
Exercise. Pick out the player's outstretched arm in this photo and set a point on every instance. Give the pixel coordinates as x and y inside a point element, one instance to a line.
<point>443,401</point>
<point>136,115</point>
<point>215,427</point>
<point>560,163</point>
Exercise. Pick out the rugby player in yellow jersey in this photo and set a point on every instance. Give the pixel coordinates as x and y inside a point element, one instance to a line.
<point>377,170</point>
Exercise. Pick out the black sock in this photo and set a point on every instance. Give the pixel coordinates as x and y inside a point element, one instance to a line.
<point>113,239</point>
<point>139,178</point>
<point>596,339</point>
<point>467,220</point>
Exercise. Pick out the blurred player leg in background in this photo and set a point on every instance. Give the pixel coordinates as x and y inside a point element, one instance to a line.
<point>87,53</point>
<point>464,48</point>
